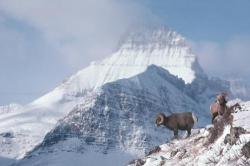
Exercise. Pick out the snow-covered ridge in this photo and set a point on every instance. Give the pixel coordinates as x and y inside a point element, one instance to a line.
<point>231,148</point>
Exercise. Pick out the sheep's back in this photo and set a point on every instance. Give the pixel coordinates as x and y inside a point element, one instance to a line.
<point>181,120</point>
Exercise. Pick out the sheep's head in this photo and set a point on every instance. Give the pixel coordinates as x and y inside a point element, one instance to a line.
<point>160,119</point>
<point>221,98</point>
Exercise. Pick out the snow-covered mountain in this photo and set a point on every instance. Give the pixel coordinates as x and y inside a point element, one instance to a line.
<point>111,105</point>
<point>231,148</point>
<point>161,47</point>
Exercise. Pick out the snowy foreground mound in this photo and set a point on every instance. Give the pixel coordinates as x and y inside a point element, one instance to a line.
<point>231,148</point>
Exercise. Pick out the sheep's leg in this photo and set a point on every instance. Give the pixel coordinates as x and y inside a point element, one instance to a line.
<point>176,133</point>
<point>189,132</point>
<point>214,116</point>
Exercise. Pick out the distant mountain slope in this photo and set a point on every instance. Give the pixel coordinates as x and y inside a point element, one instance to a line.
<point>240,87</point>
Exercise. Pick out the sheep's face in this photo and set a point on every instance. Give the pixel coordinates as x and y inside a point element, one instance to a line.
<point>221,99</point>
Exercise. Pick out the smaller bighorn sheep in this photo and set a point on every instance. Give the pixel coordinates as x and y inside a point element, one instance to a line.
<point>220,109</point>
<point>177,121</point>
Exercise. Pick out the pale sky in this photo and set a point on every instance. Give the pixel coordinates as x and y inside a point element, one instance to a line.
<point>43,42</point>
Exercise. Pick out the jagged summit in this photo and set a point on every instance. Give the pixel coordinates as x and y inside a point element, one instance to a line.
<point>149,38</point>
<point>160,46</point>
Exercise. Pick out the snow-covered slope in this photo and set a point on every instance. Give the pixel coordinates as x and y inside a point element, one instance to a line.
<point>226,150</point>
<point>28,126</point>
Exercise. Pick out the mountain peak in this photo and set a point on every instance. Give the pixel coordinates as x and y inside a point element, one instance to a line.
<point>139,49</point>
<point>159,46</point>
<point>152,38</point>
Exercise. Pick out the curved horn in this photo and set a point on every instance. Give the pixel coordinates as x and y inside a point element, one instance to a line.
<point>160,118</point>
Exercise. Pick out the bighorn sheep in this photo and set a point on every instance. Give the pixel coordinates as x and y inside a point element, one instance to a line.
<point>220,107</point>
<point>177,121</point>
